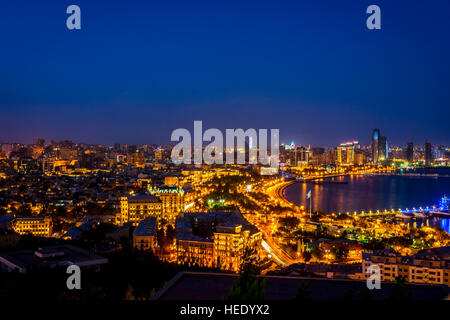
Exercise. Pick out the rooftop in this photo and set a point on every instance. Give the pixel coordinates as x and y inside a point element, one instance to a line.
<point>143,196</point>
<point>209,222</point>
<point>146,227</point>
<point>216,286</point>
<point>53,256</point>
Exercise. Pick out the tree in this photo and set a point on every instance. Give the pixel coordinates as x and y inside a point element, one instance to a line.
<point>303,290</point>
<point>248,285</point>
<point>129,293</point>
<point>317,253</point>
<point>306,255</point>
<point>340,253</point>
<point>348,294</point>
<point>366,294</point>
<point>400,291</point>
<point>289,223</point>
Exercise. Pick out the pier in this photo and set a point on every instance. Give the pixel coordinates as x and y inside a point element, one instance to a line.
<point>441,210</point>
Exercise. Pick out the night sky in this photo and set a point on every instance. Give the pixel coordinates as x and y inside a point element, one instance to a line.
<point>139,69</point>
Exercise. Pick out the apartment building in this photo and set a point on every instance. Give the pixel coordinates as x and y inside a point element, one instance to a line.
<point>37,226</point>
<point>215,239</point>
<point>431,266</point>
<point>135,208</point>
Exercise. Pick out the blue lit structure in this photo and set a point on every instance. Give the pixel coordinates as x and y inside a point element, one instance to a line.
<point>445,224</point>
<point>444,203</point>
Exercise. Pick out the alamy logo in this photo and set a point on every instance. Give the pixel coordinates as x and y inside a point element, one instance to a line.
<point>74,280</point>
<point>73,22</point>
<point>374,277</point>
<point>214,151</point>
<point>373,22</point>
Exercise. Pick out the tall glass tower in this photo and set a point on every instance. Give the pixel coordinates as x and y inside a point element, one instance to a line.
<point>375,145</point>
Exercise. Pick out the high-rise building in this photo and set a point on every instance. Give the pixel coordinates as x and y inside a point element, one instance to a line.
<point>159,154</point>
<point>360,157</point>
<point>302,156</point>
<point>383,149</point>
<point>380,148</point>
<point>375,148</point>
<point>410,152</point>
<point>346,152</point>
<point>428,154</point>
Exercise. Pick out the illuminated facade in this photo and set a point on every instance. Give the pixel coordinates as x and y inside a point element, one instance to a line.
<point>430,266</point>
<point>144,236</point>
<point>352,248</point>
<point>137,207</point>
<point>302,156</point>
<point>136,159</point>
<point>346,152</point>
<point>172,199</point>
<point>214,239</point>
<point>375,143</point>
<point>380,148</point>
<point>172,181</point>
<point>428,154</point>
<point>409,154</point>
<point>37,226</point>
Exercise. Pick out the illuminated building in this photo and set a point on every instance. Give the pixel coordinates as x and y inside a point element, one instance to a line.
<point>137,207</point>
<point>136,159</point>
<point>47,164</point>
<point>360,157</point>
<point>214,239</point>
<point>375,149</point>
<point>172,181</point>
<point>144,182</point>
<point>431,266</point>
<point>302,156</point>
<point>159,152</point>
<point>268,171</point>
<point>172,199</point>
<point>346,152</point>
<point>410,152</point>
<point>380,149</point>
<point>290,146</point>
<point>352,248</point>
<point>428,154</point>
<point>383,149</point>
<point>37,226</point>
<point>144,236</point>
<point>444,203</point>
<point>120,158</point>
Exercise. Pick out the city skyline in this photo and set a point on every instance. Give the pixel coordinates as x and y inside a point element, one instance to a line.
<point>154,68</point>
<point>236,158</point>
<point>288,142</point>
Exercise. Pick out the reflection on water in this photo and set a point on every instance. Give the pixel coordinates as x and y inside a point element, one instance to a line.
<point>364,193</point>
<point>443,223</point>
<point>358,193</point>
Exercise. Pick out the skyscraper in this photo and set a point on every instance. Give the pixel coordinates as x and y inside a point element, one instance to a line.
<point>302,156</point>
<point>428,154</point>
<point>346,152</point>
<point>383,149</point>
<point>410,152</point>
<point>380,148</point>
<point>375,148</point>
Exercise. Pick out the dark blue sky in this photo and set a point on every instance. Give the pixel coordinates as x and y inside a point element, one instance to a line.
<point>139,69</point>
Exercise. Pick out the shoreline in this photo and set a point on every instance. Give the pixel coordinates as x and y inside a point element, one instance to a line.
<point>280,189</point>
